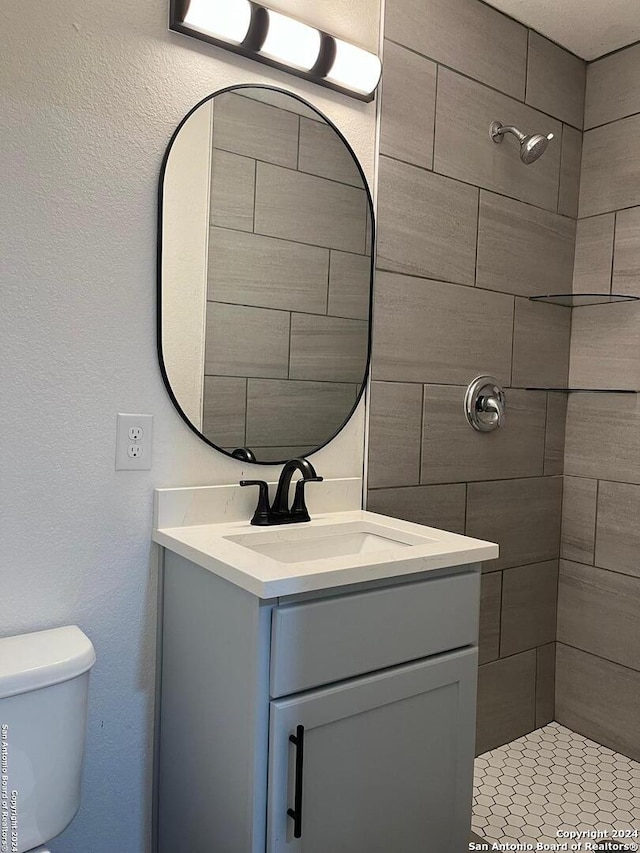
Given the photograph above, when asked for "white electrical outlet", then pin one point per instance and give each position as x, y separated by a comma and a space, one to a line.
133, 442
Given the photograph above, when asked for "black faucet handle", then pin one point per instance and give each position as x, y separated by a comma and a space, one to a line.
299, 509
262, 514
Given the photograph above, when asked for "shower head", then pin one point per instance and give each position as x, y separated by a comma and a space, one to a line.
532, 146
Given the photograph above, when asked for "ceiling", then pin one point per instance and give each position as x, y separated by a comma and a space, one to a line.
588, 28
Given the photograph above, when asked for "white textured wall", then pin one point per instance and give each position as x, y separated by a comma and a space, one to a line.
90, 95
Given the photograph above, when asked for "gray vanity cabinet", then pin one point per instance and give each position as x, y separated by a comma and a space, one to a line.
386, 761
377, 680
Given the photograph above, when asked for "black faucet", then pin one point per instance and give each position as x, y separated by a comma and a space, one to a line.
279, 512
245, 454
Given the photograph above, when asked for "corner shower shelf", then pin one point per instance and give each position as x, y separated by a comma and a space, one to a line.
576, 300
587, 390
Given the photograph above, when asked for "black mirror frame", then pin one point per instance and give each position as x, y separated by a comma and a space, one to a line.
365, 184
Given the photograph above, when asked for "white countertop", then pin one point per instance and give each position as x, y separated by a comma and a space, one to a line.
208, 546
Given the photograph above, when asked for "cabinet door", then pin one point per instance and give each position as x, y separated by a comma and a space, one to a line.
387, 762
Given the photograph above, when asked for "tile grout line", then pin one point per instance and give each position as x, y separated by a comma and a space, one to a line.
466, 510
255, 195
552, 210
477, 82
526, 64
290, 342
471, 482
435, 120
295, 170
546, 433
421, 444
500, 619
611, 121
339, 383
598, 657
602, 569
613, 250
595, 526
288, 310
513, 351
607, 212
292, 242
246, 412
475, 266
380, 267
560, 173
329, 280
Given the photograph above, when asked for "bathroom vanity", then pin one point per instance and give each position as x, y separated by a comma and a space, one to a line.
318, 680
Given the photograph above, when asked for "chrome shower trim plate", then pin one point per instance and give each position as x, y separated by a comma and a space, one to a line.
484, 404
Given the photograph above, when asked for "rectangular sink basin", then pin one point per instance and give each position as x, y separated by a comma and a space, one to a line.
302, 545
334, 549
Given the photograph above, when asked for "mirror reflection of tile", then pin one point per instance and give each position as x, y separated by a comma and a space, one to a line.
288, 279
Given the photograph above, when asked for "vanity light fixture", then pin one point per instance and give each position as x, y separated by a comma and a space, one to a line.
354, 68
275, 39
219, 19
290, 42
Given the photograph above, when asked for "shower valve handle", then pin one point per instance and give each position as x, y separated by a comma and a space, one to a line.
484, 404
493, 405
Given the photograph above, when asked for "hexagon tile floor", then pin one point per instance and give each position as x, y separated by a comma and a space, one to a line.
549, 780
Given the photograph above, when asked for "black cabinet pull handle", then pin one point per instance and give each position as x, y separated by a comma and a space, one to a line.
296, 812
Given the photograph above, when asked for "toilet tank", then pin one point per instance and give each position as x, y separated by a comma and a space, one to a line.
44, 681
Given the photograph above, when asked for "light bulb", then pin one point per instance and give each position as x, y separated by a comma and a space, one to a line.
354, 68
227, 20
291, 42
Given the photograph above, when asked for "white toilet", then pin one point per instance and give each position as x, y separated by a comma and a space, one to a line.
44, 682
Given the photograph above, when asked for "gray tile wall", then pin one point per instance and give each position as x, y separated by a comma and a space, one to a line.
288, 281
598, 658
598, 698
466, 232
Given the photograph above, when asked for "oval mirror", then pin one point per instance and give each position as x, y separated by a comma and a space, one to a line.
265, 272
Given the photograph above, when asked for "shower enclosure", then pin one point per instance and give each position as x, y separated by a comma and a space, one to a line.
580, 772
492, 260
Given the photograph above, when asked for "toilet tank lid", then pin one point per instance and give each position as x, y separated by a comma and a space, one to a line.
43, 658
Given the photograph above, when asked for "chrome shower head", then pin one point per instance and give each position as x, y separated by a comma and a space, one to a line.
532, 146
